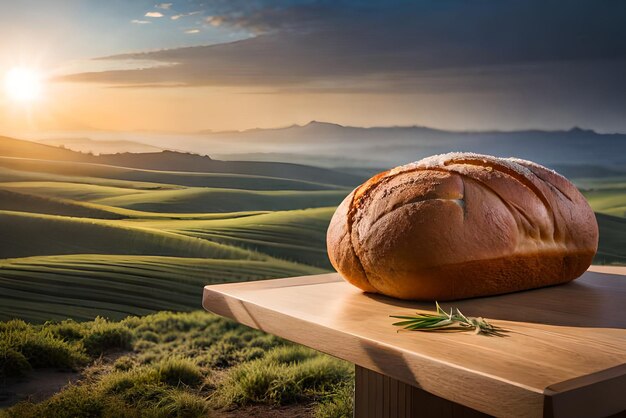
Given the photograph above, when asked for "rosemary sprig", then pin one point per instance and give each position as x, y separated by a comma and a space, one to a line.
443, 321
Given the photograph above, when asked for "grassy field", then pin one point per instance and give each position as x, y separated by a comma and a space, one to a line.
26, 234
79, 247
87, 240
608, 201
171, 365
103, 174
605, 195
63, 228
296, 235
83, 286
197, 199
82, 240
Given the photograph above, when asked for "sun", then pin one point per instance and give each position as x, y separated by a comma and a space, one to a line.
22, 84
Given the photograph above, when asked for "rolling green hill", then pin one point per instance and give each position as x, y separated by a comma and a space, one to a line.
196, 200
177, 161
13, 201
82, 286
27, 234
297, 235
81, 192
43, 168
24, 202
81, 239
605, 195
608, 201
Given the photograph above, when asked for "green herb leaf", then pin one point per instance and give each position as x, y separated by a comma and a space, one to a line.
443, 321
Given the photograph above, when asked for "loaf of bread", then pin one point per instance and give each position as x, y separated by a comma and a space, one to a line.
462, 225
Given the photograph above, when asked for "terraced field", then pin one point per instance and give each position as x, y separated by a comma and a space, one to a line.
203, 199
83, 239
609, 201
606, 195
83, 286
102, 174
297, 235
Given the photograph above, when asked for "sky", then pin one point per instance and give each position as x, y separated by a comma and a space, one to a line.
187, 65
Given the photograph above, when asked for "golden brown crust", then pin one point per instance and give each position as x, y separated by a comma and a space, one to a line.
462, 225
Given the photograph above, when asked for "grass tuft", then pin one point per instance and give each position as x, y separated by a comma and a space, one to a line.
177, 371
172, 377
42, 349
105, 336
124, 363
290, 354
68, 330
285, 375
12, 362
181, 404
139, 387
339, 405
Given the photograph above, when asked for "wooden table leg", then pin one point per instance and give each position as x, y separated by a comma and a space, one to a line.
380, 396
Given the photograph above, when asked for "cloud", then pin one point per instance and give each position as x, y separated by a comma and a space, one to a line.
214, 20
191, 31
140, 22
154, 14
178, 16
164, 6
529, 47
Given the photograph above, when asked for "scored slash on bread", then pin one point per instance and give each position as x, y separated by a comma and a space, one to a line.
462, 225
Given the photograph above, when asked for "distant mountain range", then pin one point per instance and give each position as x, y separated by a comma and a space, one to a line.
576, 152
335, 145
88, 145
177, 161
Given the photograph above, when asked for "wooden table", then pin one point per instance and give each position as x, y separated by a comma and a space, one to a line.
564, 354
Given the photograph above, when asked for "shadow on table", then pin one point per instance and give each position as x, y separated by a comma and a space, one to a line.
595, 300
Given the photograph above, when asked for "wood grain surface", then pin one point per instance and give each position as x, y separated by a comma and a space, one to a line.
380, 396
564, 354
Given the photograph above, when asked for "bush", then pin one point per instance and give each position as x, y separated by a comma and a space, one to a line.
180, 370
12, 362
104, 336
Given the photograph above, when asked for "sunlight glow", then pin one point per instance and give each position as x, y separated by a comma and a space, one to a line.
22, 84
